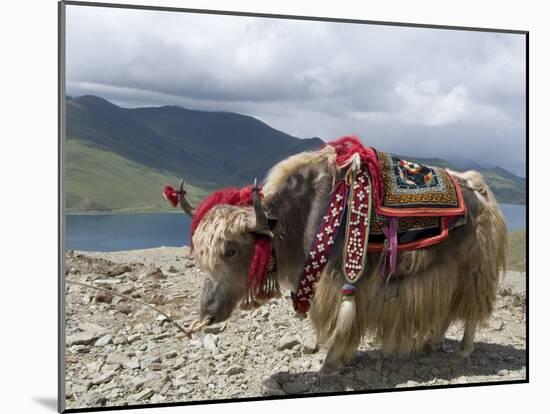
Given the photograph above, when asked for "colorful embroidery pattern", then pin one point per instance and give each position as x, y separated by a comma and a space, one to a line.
412, 189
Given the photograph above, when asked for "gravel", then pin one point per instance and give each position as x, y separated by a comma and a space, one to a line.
287, 342
209, 342
104, 340
120, 353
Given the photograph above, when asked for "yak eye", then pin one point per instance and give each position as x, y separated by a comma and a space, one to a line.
230, 252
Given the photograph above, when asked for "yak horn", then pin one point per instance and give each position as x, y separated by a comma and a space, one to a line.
185, 206
261, 217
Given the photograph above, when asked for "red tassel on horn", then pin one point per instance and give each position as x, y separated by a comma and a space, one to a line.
171, 195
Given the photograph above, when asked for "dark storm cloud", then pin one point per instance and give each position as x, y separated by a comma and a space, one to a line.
408, 90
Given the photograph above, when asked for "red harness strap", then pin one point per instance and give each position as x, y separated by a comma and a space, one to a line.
352, 196
321, 247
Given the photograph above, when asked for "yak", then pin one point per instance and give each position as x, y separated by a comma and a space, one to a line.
455, 280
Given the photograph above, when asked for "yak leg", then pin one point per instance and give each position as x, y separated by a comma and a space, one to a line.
437, 343
333, 361
467, 344
339, 353
462, 355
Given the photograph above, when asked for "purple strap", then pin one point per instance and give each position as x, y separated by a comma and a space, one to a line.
390, 250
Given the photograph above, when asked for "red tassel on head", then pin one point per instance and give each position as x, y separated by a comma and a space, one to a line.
231, 196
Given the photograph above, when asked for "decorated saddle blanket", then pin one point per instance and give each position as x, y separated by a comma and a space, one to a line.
416, 190
414, 207
427, 202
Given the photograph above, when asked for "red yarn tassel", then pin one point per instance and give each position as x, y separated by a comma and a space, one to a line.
345, 147
231, 196
171, 195
257, 271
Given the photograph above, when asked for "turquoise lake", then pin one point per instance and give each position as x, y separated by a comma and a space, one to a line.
112, 232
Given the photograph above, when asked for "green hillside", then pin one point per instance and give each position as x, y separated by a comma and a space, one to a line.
517, 253
233, 147
209, 149
507, 187
98, 180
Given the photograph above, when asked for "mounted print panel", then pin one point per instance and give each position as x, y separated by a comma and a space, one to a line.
263, 206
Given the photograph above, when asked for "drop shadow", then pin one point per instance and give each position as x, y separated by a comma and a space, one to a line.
47, 402
370, 371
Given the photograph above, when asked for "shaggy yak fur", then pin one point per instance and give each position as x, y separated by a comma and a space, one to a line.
455, 280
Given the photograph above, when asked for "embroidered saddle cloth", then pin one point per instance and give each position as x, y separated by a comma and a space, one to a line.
416, 190
417, 206
426, 201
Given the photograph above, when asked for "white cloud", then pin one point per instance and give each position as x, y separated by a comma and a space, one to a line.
426, 104
312, 78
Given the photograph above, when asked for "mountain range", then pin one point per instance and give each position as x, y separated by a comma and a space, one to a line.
119, 158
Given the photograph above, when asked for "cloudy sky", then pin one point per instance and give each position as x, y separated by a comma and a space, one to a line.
422, 92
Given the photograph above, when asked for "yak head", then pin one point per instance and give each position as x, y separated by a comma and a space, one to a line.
227, 229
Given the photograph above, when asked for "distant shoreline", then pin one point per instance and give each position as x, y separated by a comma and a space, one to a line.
115, 212
178, 211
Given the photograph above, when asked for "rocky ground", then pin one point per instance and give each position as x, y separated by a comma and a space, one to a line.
121, 353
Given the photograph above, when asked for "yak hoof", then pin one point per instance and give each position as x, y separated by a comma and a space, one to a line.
330, 368
461, 357
438, 347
